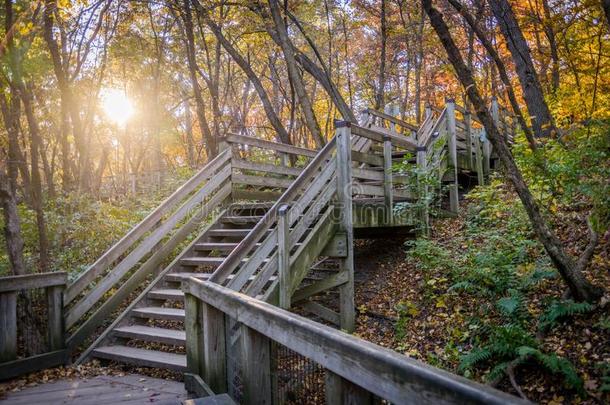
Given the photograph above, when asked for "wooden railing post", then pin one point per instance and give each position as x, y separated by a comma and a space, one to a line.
283, 256
468, 140
452, 144
56, 326
194, 334
478, 150
388, 195
8, 326
256, 367
344, 202
338, 390
205, 342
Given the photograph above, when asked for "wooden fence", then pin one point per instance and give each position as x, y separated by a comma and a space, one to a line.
54, 285
355, 371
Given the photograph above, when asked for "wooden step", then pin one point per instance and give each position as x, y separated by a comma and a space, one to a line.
210, 246
164, 314
142, 357
150, 334
234, 233
179, 277
245, 219
168, 294
202, 261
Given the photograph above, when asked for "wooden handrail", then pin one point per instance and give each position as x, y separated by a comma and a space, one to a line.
378, 136
390, 118
264, 144
31, 281
378, 370
241, 250
127, 241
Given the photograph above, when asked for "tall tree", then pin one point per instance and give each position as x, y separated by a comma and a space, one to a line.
247, 69
540, 115
295, 75
571, 271
491, 50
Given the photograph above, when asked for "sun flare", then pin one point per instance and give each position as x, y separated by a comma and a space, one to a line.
117, 106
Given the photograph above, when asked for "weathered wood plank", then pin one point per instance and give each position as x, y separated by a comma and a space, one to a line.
346, 226
214, 349
8, 326
237, 163
283, 251
261, 181
377, 136
383, 372
19, 367
256, 367
56, 330
319, 286
323, 312
367, 158
31, 281
254, 195
263, 144
365, 174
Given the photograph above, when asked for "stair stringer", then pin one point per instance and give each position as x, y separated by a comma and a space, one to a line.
125, 316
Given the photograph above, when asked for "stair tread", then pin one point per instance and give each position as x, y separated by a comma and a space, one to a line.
241, 218
142, 357
167, 294
197, 261
160, 313
152, 334
204, 276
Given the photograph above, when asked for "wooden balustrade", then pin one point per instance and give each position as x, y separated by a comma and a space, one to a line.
356, 371
54, 285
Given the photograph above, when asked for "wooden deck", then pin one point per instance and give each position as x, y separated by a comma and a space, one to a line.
128, 389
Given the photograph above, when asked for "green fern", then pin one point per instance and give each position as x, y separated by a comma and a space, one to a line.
560, 310
473, 358
556, 365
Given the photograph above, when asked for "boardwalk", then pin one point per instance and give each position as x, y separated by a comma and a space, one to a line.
129, 389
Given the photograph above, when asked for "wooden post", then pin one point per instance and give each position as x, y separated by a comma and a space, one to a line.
56, 330
486, 146
214, 348
468, 140
428, 111
479, 158
452, 144
8, 326
283, 256
341, 391
256, 367
388, 196
344, 202
194, 334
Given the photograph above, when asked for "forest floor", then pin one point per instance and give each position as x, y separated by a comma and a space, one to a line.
411, 309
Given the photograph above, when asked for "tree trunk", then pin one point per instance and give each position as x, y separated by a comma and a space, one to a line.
247, 69
549, 31
542, 121
12, 225
570, 271
489, 47
380, 93
68, 101
295, 75
206, 133
37, 195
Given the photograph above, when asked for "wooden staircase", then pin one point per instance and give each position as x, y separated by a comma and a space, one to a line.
282, 233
